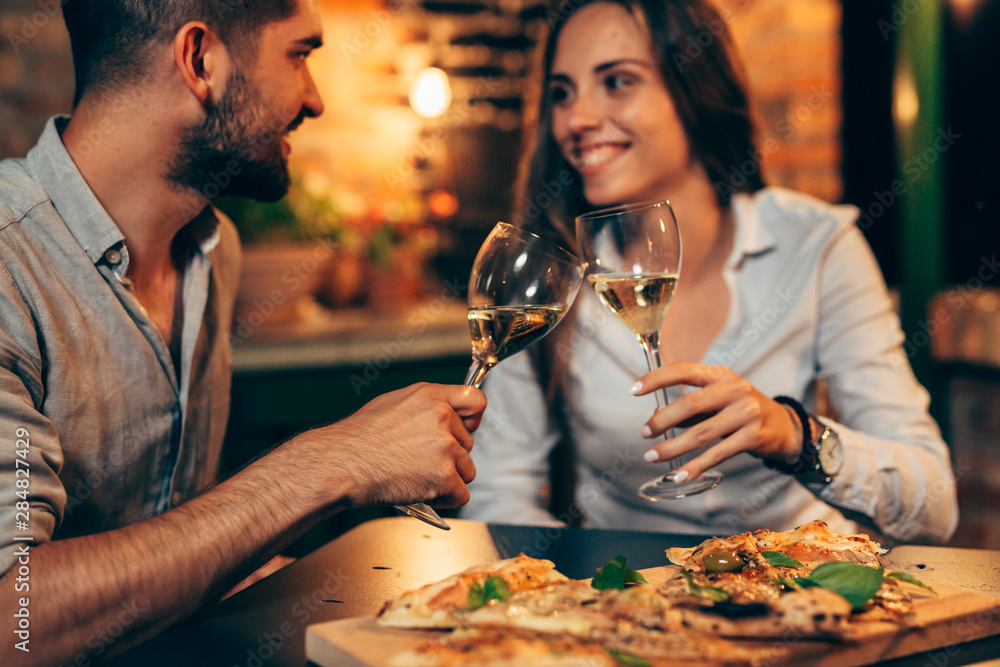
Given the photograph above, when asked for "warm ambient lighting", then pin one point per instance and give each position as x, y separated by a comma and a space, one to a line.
964, 10
906, 102
430, 94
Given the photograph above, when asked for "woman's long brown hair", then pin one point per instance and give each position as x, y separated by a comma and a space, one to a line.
698, 63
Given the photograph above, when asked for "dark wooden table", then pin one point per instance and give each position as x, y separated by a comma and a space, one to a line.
355, 574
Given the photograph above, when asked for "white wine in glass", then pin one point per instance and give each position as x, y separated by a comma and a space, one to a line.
632, 259
520, 287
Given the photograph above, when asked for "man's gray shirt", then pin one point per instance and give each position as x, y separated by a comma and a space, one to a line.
98, 429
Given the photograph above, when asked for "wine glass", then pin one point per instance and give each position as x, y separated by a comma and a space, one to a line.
520, 287
632, 258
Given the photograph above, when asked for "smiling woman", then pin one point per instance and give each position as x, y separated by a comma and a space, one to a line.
626, 107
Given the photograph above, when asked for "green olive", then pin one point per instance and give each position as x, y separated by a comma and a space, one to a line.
723, 561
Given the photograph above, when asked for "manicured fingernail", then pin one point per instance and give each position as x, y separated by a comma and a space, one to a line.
635, 388
681, 476
651, 456
647, 432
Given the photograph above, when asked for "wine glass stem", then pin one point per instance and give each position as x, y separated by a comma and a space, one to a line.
651, 346
477, 373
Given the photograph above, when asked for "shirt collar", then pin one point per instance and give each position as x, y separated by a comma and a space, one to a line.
752, 237
72, 198
77, 205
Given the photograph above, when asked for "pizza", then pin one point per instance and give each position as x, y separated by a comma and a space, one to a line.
492, 648
761, 584
435, 606
809, 581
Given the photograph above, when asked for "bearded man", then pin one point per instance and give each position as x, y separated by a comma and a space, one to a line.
117, 285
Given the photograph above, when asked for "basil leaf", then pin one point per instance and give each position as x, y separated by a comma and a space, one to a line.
791, 584
780, 559
494, 588
705, 592
612, 575
626, 659
855, 583
477, 596
909, 578
796, 583
634, 577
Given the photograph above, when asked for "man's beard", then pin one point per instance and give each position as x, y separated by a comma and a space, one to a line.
236, 151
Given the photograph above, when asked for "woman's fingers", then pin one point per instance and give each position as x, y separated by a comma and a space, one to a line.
721, 425
693, 407
736, 443
670, 375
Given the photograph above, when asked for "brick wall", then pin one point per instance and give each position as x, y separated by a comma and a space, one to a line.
792, 52
36, 74
369, 139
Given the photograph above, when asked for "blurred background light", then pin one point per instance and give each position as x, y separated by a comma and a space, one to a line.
430, 94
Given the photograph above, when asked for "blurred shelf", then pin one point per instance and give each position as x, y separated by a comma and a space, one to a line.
355, 337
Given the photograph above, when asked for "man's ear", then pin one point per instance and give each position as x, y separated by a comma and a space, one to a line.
201, 59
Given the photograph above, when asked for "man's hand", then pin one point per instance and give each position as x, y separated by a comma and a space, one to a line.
411, 445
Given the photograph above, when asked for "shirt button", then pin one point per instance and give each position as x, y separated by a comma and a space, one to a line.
175, 499
113, 256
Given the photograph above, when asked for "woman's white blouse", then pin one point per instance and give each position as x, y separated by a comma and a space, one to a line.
807, 302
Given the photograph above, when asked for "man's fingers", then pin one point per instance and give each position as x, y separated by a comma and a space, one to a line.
472, 423
465, 467
466, 401
456, 425
456, 497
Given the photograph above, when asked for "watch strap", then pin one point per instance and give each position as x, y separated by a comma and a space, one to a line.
807, 457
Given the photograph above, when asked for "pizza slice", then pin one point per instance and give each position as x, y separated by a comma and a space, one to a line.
637, 621
814, 543
434, 606
762, 584
490, 647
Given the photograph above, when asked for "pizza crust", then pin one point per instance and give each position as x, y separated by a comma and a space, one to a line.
815, 613
434, 607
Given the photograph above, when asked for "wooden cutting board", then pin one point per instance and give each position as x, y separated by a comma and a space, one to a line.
954, 617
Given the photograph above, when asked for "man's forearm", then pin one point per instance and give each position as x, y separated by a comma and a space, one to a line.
148, 576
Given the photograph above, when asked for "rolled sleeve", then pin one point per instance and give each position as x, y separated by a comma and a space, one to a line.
37, 465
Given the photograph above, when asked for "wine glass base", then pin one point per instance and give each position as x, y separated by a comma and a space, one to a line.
425, 513
665, 488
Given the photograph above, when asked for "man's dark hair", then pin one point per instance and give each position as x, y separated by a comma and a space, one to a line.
113, 41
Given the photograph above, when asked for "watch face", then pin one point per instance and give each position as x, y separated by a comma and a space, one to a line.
831, 454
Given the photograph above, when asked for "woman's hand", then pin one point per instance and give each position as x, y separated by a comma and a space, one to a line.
724, 406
